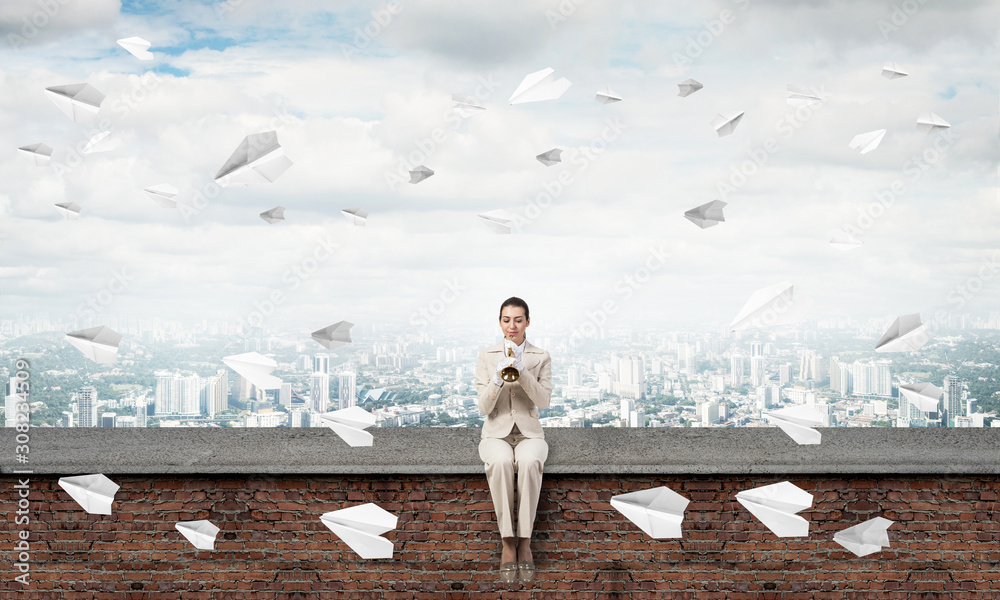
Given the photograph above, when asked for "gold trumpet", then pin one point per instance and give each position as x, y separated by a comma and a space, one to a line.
510, 374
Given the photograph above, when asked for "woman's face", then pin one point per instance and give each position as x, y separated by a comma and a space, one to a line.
512, 322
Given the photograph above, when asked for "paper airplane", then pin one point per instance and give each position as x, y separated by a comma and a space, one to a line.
924, 396
360, 527
929, 122
200, 533
358, 216
137, 47
99, 344
726, 124
606, 96
163, 194
94, 493
906, 334
258, 159
657, 511
499, 221
688, 87
79, 101
775, 506
540, 85
37, 154
769, 307
866, 142
892, 71
102, 142
335, 335
70, 210
845, 241
255, 368
551, 157
350, 423
801, 96
707, 215
865, 538
466, 105
419, 174
797, 421
274, 215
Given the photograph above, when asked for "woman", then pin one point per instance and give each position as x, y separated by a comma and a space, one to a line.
512, 438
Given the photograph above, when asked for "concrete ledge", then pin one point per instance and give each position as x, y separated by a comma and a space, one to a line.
432, 451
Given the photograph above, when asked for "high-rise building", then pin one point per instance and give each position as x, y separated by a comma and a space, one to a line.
757, 370
627, 406
637, 418
10, 403
319, 392
321, 363
348, 393
736, 369
86, 399
710, 413
285, 396
190, 395
872, 378
140, 413
167, 401
784, 373
954, 395
632, 378
67, 419
575, 376
108, 419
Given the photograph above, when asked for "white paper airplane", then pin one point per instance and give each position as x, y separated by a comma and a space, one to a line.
79, 101
726, 124
906, 334
466, 105
606, 96
350, 424
844, 241
929, 122
657, 511
688, 87
360, 527
865, 538
137, 47
274, 215
550, 157
769, 307
797, 421
163, 194
101, 142
258, 159
200, 533
37, 154
335, 335
419, 174
540, 85
94, 493
358, 216
924, 395
707, 215
775, 506
892, 71
255, 368
99, 344
499, 221
866, 142
801, 96
70, 210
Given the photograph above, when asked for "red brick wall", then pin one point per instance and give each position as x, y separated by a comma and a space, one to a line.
273, 545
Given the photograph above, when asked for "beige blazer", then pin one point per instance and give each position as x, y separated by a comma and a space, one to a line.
516, 402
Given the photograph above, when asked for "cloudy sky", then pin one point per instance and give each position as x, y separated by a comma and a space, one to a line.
361, 94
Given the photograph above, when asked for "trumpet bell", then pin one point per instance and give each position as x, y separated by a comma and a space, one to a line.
510, 374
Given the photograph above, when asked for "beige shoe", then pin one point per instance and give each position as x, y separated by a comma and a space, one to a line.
508, 572
526, 573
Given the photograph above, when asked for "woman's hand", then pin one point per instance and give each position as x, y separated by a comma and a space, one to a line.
503, 364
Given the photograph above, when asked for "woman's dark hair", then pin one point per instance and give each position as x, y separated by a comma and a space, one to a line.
515, 301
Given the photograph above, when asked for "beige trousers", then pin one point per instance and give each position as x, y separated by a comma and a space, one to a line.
504, 456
